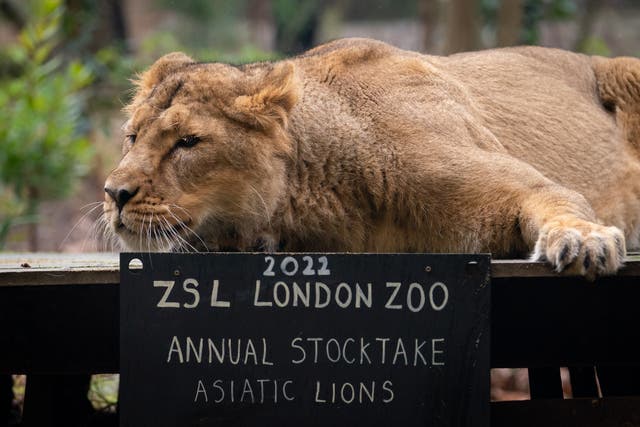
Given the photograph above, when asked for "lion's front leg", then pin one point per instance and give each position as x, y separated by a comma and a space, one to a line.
556, 224
565, 230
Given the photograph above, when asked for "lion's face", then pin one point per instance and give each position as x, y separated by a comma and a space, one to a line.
204, 156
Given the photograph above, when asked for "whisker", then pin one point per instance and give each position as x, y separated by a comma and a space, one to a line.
267, 216
144, 218
173, 205
95, 205
149, 233
99, 224
172, 245
184, 226
183, 243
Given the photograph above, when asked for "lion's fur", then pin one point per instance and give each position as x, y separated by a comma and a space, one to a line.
359, 146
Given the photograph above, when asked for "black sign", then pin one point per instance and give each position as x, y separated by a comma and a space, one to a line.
304, 340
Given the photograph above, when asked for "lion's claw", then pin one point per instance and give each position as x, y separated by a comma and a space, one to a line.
581, 247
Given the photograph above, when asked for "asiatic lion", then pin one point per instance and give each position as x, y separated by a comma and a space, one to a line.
359, 146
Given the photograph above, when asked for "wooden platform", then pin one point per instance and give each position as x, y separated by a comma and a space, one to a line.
59, 317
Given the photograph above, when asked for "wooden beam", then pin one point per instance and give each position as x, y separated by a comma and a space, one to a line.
607, 412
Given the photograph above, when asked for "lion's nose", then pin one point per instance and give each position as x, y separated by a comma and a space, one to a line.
120, 195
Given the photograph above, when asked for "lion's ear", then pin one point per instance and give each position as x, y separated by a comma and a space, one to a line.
271, 100
163, 67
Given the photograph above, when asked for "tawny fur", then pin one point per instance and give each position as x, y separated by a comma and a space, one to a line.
359, 146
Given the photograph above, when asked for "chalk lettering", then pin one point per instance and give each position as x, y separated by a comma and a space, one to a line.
344, 351
270, 263
200, 390
400, 351
383, 342
175, 347
256, 297
361, 297
191, 348
363, 351
285, 393
337, 353
445, 296
324, 266
345, 301
418, 353
289, 266
277, 297
216, 384
247, 390
193, 291
347, 392
164, 301
327, 293
250, 352
410, 299
435, 352
221, 350
299, 296
386, 386
295, 345
312, 295
396, 288
308, 270
214, 297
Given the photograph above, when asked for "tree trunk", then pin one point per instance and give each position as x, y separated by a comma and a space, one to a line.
509, 22
261, 26
32, 217
103, 21
429, 14
590, 12
13, 13
463, 26
296, 25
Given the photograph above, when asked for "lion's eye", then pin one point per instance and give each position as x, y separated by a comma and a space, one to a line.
188, 141
131, 138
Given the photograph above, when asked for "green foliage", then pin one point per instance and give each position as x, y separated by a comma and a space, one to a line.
205, 10
595, 46
160, 43
536, 11
207, 24
43, 135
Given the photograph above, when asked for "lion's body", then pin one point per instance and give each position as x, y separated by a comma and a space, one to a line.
359, 146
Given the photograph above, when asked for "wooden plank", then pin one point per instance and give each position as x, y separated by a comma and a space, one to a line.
53, 261
58, 269
536, 321
59, 329
6, 399
607, 412
50, 268
564, 321
524, 268
583, 381
619, 380
57, 400
545, 383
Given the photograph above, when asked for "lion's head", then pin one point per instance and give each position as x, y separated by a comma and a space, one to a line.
204, 155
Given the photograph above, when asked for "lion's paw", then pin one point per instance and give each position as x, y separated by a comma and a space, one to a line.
581, 247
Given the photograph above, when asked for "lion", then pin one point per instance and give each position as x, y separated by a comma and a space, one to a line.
359, 146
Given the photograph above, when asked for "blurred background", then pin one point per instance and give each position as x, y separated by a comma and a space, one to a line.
65, 67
